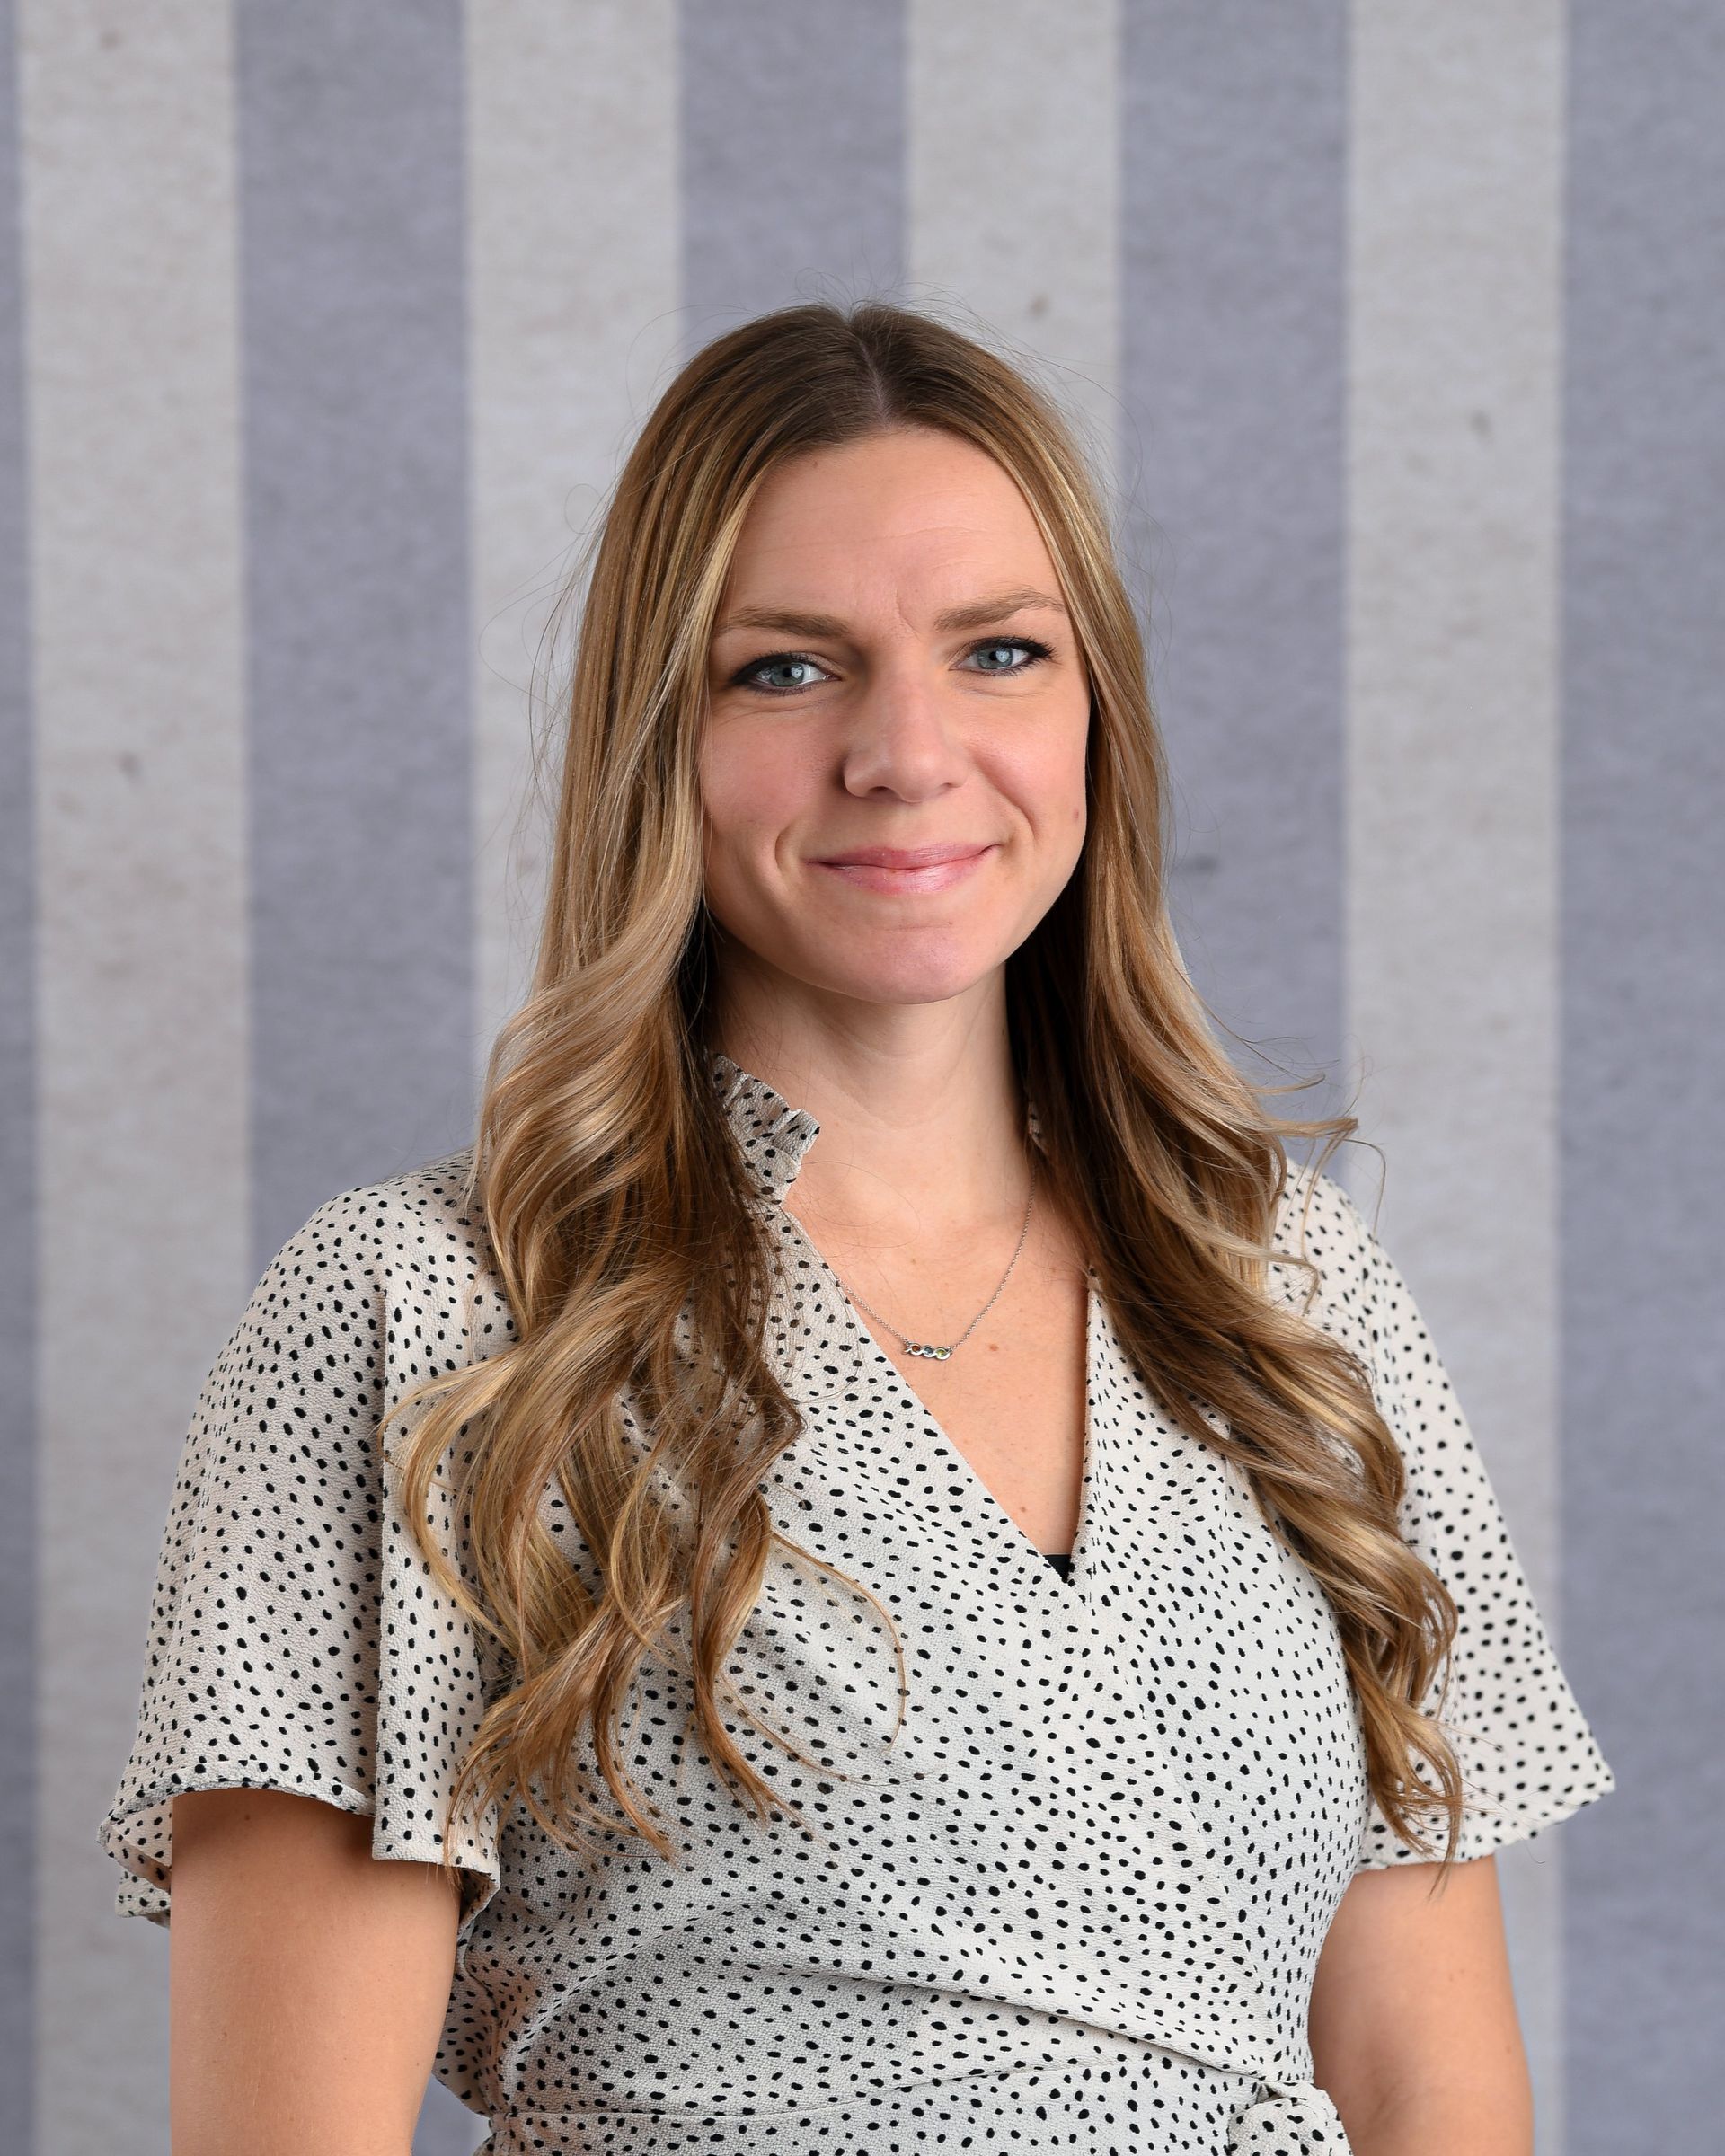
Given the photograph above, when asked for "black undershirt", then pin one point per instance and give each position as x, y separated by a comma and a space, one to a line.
1061, 1560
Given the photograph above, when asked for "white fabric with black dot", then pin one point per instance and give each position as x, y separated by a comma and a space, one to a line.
1075, 1904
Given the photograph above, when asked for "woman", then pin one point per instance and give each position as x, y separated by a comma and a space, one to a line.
673, 1494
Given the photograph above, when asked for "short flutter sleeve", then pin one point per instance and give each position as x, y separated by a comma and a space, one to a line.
296, 1639
1527, 1756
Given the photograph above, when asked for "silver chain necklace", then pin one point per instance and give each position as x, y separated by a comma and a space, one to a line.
926, 1348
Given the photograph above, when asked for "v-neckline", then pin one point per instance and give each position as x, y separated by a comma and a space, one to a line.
1075, 1586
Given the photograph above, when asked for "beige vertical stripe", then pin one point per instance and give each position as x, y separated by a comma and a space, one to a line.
131, 364
573, 293
1014, 193
1454, 357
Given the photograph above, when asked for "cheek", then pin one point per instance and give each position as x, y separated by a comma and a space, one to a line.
1049, 783
726, 795
749, 794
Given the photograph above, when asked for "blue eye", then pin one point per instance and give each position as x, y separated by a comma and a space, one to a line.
745, 677
1037, 652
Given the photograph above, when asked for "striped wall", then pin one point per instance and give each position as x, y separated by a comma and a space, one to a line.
1396, 333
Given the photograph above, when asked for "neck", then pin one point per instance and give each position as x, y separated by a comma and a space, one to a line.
918, 1139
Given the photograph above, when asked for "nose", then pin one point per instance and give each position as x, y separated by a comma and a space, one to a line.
904, 737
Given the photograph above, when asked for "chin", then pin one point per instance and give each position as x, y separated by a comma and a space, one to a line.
885, 983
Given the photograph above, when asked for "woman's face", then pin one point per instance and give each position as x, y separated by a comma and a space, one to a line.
892, 669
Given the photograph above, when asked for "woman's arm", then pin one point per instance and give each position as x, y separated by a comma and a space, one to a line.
308, 1980
1413, 2024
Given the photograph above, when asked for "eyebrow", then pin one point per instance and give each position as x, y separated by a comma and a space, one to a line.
976, 613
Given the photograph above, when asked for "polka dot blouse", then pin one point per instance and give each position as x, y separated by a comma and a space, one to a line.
1075, 1903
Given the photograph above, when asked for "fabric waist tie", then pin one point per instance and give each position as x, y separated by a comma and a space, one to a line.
1294, 2119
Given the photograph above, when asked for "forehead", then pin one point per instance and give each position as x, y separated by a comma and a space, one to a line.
916, 509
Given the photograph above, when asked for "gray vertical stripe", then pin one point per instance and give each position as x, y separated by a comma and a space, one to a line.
1013, 194
18, 1424
1455, 357
1233, 134
793, 155
1644, 1163
571, 129
142, 1170
355, 433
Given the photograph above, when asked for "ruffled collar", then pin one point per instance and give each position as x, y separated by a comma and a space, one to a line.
773, 1134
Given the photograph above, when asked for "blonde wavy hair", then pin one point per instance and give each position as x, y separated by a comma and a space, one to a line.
620, 1209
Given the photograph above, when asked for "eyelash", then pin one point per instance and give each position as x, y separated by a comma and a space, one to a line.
1039, 652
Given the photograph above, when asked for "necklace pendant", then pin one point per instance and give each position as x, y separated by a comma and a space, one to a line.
933, 1355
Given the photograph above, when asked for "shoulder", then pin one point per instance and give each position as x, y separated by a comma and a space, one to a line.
419, 1217
401, 1263
386, 1212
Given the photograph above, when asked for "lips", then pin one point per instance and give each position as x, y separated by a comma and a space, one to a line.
906, 871
902, 857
